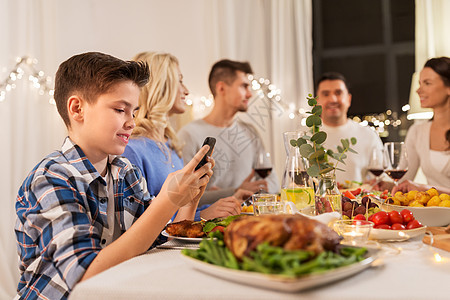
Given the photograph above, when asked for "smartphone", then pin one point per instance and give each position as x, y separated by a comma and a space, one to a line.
211, 142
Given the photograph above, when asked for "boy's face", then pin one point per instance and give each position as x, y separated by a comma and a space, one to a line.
108, 123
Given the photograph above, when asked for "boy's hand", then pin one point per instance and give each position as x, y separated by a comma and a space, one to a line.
185, 186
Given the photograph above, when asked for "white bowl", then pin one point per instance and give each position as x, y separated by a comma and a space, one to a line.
396, 235
429, 216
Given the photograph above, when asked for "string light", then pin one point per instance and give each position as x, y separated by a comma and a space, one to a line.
36, 77
262, 87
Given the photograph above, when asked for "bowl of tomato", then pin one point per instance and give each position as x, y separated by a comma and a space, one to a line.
395, 225
429, 215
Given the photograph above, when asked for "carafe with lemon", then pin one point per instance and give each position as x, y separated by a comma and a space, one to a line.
296, 185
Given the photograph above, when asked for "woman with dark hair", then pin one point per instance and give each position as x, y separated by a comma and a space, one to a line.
428, 143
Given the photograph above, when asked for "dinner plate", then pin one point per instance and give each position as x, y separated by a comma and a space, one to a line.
388, 235
279, 282
181, 238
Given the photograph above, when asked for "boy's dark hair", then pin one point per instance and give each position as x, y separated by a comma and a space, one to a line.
225, 70
92, 74
332, 76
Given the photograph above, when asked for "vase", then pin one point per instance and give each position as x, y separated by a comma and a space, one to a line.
296, 184
327, 195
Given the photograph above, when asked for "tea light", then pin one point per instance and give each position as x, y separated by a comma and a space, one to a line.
353, 232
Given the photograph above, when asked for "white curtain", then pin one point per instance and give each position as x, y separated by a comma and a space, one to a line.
274, 36
432, 30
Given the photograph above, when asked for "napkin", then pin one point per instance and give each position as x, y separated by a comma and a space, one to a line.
325, 218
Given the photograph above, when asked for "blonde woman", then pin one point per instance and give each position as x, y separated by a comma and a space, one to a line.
154, 146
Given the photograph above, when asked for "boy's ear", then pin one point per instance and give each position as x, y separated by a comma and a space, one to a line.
75, 108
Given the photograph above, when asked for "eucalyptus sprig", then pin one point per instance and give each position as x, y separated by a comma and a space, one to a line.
311, 147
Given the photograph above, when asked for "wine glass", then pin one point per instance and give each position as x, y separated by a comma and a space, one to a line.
263, 164
377, 163
397, 160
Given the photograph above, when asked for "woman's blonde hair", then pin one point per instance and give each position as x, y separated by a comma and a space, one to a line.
157, 98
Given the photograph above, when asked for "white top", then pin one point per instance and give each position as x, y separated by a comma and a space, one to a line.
355, 164
435, 164
234, 153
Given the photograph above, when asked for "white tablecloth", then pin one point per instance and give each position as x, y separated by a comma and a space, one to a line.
410, 271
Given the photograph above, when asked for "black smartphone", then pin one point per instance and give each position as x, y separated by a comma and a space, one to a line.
211, 142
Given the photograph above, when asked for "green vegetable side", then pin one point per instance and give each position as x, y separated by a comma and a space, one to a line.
211, 224
274, 260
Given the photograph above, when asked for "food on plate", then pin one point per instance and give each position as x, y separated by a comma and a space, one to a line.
351, 208
247, 208
420, 199
291, 232
198, 229
347, 184
186, 228
395, 220
278, 260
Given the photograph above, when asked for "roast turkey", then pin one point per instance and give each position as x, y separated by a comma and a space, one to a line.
291, 232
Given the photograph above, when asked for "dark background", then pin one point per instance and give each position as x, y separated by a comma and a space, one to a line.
372, 44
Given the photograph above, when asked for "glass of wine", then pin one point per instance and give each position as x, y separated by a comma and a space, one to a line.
378, 162
397, 160
263, 164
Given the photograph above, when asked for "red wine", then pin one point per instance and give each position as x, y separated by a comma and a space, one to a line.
264, 172
376, 172
395, 174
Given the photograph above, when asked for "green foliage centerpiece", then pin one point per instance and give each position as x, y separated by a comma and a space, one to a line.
322, 162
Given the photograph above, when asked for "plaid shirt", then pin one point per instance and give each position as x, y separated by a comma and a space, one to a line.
61, 212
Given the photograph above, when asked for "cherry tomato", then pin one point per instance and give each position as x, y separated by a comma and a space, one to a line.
220, 228
356, 192
395, 217
413, 224
360, 217
349, 195
370, 218
407, 215
398, 226
382, 226
381, 217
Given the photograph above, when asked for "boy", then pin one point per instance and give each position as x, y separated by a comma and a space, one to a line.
78, 209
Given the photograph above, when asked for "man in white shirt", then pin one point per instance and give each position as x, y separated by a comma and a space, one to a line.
237, 141
335, 98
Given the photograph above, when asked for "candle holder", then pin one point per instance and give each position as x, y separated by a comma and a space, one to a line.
354, 232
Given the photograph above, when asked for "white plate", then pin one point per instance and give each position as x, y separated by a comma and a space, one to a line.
181, 238
395, 235
282, 283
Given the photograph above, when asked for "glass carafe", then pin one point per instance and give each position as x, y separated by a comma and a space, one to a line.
296, 185
328, 197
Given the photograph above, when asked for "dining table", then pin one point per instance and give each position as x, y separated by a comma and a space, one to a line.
403, 270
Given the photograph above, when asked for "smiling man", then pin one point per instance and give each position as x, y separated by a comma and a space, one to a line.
237, 142
335, 98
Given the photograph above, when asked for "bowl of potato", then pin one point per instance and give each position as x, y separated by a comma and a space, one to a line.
430, 207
